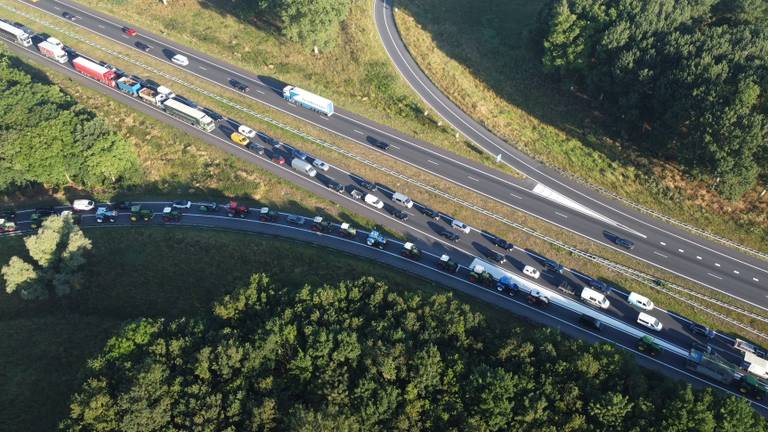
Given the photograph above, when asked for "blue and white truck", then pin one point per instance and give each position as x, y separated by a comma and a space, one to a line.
308, 100
129, 86
20, 35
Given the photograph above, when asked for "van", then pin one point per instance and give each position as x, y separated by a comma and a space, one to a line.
594, 298
639, 301
461, 226
646, 320
83, 205
373, 200
303, 167
402, 199
180, 60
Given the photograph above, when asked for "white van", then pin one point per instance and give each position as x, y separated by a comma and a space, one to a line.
402, 199
374, 201
461, 226
594, 298
180, 60
639, 301
531, 271
83, 205
648, 321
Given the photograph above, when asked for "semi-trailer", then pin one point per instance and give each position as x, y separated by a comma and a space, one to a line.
189, 115
21, 36
95, 71
308, 100
52, 51
129, 86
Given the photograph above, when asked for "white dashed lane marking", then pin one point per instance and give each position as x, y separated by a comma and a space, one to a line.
432, 162
560, 214
736, 271
717, 265
357, 131
660, 254
516, 196
472, 178
698, 257
662, 243
681, 251
716, 277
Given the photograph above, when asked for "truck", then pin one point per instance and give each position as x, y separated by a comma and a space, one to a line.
346, 230
321, 225
308, 100
128, 85
410, 251
712, 366
52, 51
151, 96
303, 167
375, 239
447, 264
21, 36
188, 114
94, 70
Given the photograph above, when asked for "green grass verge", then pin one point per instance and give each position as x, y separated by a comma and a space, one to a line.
150, 272
479, 53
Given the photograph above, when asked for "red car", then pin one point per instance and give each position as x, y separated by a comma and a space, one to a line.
129, 31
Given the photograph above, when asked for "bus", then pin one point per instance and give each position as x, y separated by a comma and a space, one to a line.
20, 35
189, 115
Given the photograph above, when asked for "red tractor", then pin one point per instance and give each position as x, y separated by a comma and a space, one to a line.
240, 211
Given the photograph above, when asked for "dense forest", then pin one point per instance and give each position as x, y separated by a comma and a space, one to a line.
360, 356
49, 139
684, 78
314, 23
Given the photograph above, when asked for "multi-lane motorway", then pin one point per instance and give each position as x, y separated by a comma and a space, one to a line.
586, 213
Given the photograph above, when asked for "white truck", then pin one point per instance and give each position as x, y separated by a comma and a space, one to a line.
52, 51
20, 35
308, 100
303, 167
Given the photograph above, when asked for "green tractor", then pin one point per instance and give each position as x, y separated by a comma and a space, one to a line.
411, 251
320, 225
448, 265
479, 276
648, 345
753, 387
171, 215
141, 214
39, 215
346, 230
7, 226
267, 215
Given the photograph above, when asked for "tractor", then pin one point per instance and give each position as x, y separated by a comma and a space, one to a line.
105, 214
448, 265
320, 225
240, 211
375, 239
140, 214
346, 230
267, 215
7, 226
648, 345
171, 215
410, 251
479, 276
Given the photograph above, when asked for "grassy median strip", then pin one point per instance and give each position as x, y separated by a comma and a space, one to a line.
509, 95
462, 213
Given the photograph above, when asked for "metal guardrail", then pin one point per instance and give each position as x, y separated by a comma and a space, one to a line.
634, 274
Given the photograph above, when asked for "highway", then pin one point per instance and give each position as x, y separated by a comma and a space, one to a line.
585, 213
427, 267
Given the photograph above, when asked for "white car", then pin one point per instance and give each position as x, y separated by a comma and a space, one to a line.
532, 272
180, 60
248, 132
183, 204
321, 165
83, 205
374, 201
461, 226
639, 301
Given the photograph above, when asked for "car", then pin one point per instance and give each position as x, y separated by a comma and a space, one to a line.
701, 330
298, 154
296, 219
70, 16
142, 46
428, 212
278, 158
374, 201
500, 242
212, 114
130, 31
590, 321
321, 165
365, 184
334, 186
180, 60
626, 244
553, 266
182, 204
495, 256
255, 148
701, 347
239, 138
83, 205
450, 235
248, 132
355, 193
378, 143
530, 271
461, 226
239, 86
403, 216
600, 285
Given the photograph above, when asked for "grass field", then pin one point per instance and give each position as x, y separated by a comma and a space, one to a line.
480, 54
148, 272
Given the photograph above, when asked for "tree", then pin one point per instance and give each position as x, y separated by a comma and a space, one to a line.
314, 23
563, 45
57, 252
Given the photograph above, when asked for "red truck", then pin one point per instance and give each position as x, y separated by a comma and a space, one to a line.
95, 71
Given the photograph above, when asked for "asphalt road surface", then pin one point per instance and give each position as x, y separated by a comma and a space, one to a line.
427, 267
708, 263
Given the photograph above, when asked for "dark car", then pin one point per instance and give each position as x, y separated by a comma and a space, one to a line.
403, 216
150, 84
602, 286
566, 287
298, 154
428, 212
626, 244
500, 242
495, 256
278, 158
70, 16
367, 185
450, 235
255, 148
142, 46
123, 205
378, 143
553, 266
701, 330
296, 219
335, 186
590, 322
45, 211
213, 114
239, 86
268, 139
702, 347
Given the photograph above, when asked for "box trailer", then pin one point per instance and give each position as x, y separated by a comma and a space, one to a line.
308, 100
95, 71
